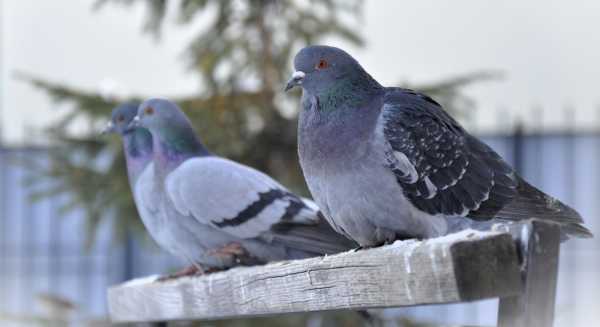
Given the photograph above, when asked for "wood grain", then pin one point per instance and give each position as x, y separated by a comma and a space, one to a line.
466, 266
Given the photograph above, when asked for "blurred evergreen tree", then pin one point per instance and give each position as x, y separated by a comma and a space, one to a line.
243, 57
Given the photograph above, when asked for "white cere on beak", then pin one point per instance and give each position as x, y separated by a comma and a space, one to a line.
298, 75
135, 122
296, 79
108, 128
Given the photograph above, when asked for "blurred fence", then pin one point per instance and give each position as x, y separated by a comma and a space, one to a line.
46, 270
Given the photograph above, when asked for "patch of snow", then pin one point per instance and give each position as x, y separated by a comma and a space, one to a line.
407, 290
464, 235
525, 236
142, 280
407, 254
501, 227
436, 271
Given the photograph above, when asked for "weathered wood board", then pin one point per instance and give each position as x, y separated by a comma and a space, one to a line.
466, 266
539, 244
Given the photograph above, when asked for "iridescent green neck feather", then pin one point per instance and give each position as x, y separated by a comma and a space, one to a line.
349, 92
176, 144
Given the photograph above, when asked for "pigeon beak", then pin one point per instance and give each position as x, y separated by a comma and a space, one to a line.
297, 78
109, 128
135, 122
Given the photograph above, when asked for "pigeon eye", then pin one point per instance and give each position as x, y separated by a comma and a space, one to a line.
322, 64
120, 119
149, 110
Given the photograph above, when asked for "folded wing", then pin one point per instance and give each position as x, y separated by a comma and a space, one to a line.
234, 198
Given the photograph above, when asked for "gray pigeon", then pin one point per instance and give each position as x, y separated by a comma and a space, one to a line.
385, 163
137, 146
137, 142
215, 213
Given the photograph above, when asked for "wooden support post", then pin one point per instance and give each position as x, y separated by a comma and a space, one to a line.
539, 245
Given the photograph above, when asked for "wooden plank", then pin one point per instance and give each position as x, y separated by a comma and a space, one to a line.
461, 267
539, 245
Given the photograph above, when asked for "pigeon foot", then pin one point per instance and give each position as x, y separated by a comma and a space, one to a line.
237, 252
193, 270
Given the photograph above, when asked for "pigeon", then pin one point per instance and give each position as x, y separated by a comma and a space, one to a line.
137, 142
386, 163
215, 213
137, 146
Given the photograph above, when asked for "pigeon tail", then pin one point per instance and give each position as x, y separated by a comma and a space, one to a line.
317, 239
533, 203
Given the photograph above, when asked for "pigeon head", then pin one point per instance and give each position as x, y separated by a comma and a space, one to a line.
320, 68
120, 119
137, 142
171, 130
156, 114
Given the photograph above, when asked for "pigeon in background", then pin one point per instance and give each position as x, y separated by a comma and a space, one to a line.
137, 142
216, 213
137, 145
385, 163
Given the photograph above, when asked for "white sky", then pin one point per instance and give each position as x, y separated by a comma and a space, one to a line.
548, 50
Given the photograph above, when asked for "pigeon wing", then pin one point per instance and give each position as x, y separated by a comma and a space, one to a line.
234, 198
441, 168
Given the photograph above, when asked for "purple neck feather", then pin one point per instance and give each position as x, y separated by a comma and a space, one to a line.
172, 150
138, 154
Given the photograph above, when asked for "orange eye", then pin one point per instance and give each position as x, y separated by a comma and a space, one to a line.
149, 110
322, 64
120, 119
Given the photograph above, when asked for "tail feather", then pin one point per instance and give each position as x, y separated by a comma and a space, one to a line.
319, 238
577, 230
533, 203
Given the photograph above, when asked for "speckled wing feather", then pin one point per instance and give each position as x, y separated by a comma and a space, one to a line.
441, 168
444, 170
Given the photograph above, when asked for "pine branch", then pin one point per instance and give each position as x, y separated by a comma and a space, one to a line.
88, 103
450, 94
